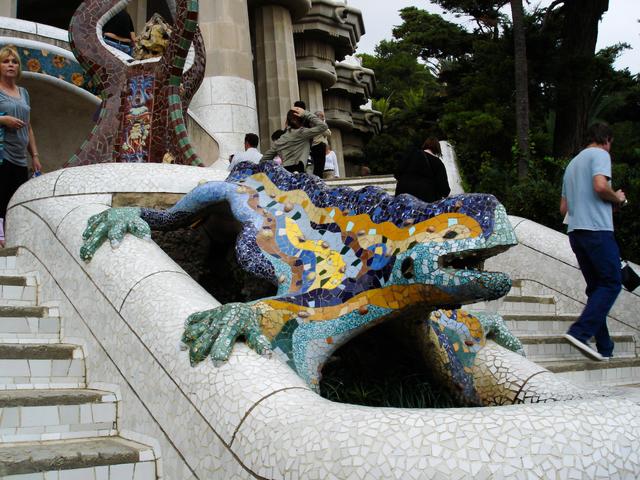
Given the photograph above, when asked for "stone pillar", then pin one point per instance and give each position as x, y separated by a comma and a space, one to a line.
8, 8
276, 78
225, 104
137, 9
336, 146
343, 100
325, 35
311, 93
316, 71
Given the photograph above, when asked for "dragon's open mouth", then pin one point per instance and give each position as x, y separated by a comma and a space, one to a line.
470, 259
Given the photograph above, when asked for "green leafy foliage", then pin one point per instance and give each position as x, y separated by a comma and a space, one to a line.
437, 78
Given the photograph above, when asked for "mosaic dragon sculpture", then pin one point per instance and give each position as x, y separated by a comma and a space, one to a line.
343, 261
143, 111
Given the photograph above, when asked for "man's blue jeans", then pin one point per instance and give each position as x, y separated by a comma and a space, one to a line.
599, 259
123, 47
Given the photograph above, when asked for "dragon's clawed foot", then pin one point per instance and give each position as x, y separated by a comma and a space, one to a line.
113, 224
213, 332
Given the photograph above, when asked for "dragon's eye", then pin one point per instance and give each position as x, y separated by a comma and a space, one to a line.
407, 267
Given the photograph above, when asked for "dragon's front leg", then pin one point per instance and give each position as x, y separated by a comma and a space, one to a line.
113, 224
213, 332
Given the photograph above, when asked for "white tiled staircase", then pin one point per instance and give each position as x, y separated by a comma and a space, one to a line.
52, 427
531, 313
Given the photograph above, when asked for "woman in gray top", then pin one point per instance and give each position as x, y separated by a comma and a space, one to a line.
18, 134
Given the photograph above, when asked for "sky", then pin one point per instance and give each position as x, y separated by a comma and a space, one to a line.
619, 24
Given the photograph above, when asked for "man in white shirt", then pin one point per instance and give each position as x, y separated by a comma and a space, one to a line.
330, 164
250, 154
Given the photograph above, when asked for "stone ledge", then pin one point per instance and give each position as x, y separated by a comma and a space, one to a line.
31, 457
582, 365
33, 398
559, 339
37, 352
15, 281
297, 8
12, 311
8, 252
541, 317
529, 299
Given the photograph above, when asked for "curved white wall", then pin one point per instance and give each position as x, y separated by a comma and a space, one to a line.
253, 417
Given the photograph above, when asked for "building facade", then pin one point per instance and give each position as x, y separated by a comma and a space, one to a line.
262, 55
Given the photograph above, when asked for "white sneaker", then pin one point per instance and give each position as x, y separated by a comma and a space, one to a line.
586, 349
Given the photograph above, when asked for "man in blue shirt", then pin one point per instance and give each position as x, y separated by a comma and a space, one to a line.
587, 201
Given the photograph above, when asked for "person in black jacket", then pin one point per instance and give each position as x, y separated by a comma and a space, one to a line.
422, 174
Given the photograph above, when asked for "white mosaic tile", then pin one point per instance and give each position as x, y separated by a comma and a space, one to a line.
293, 430
131, 177
160, 324
54, 210
108, 327
40, 187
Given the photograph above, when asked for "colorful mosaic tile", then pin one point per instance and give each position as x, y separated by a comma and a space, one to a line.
343, 260
142, 117
55, 64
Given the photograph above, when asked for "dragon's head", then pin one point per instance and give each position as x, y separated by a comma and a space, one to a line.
448, 250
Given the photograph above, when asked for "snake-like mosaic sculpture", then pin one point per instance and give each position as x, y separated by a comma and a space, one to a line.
142, 116
343, 261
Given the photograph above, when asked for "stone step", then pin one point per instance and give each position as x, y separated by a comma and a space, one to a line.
516, 288
28, 366
111, 458
32, 415
555, 347
385, 182
34, 324
528, 304
517, 304
8, 260
529, 323
617, 371
18, 290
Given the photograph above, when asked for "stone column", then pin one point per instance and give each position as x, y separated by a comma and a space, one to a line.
316, 71
137, 9
327, 34
311, 93
276, 78
343, 100
8, 8
336, 146
225, 104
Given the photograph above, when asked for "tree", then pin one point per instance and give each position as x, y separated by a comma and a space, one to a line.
575, 75
522, 90
486, 13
